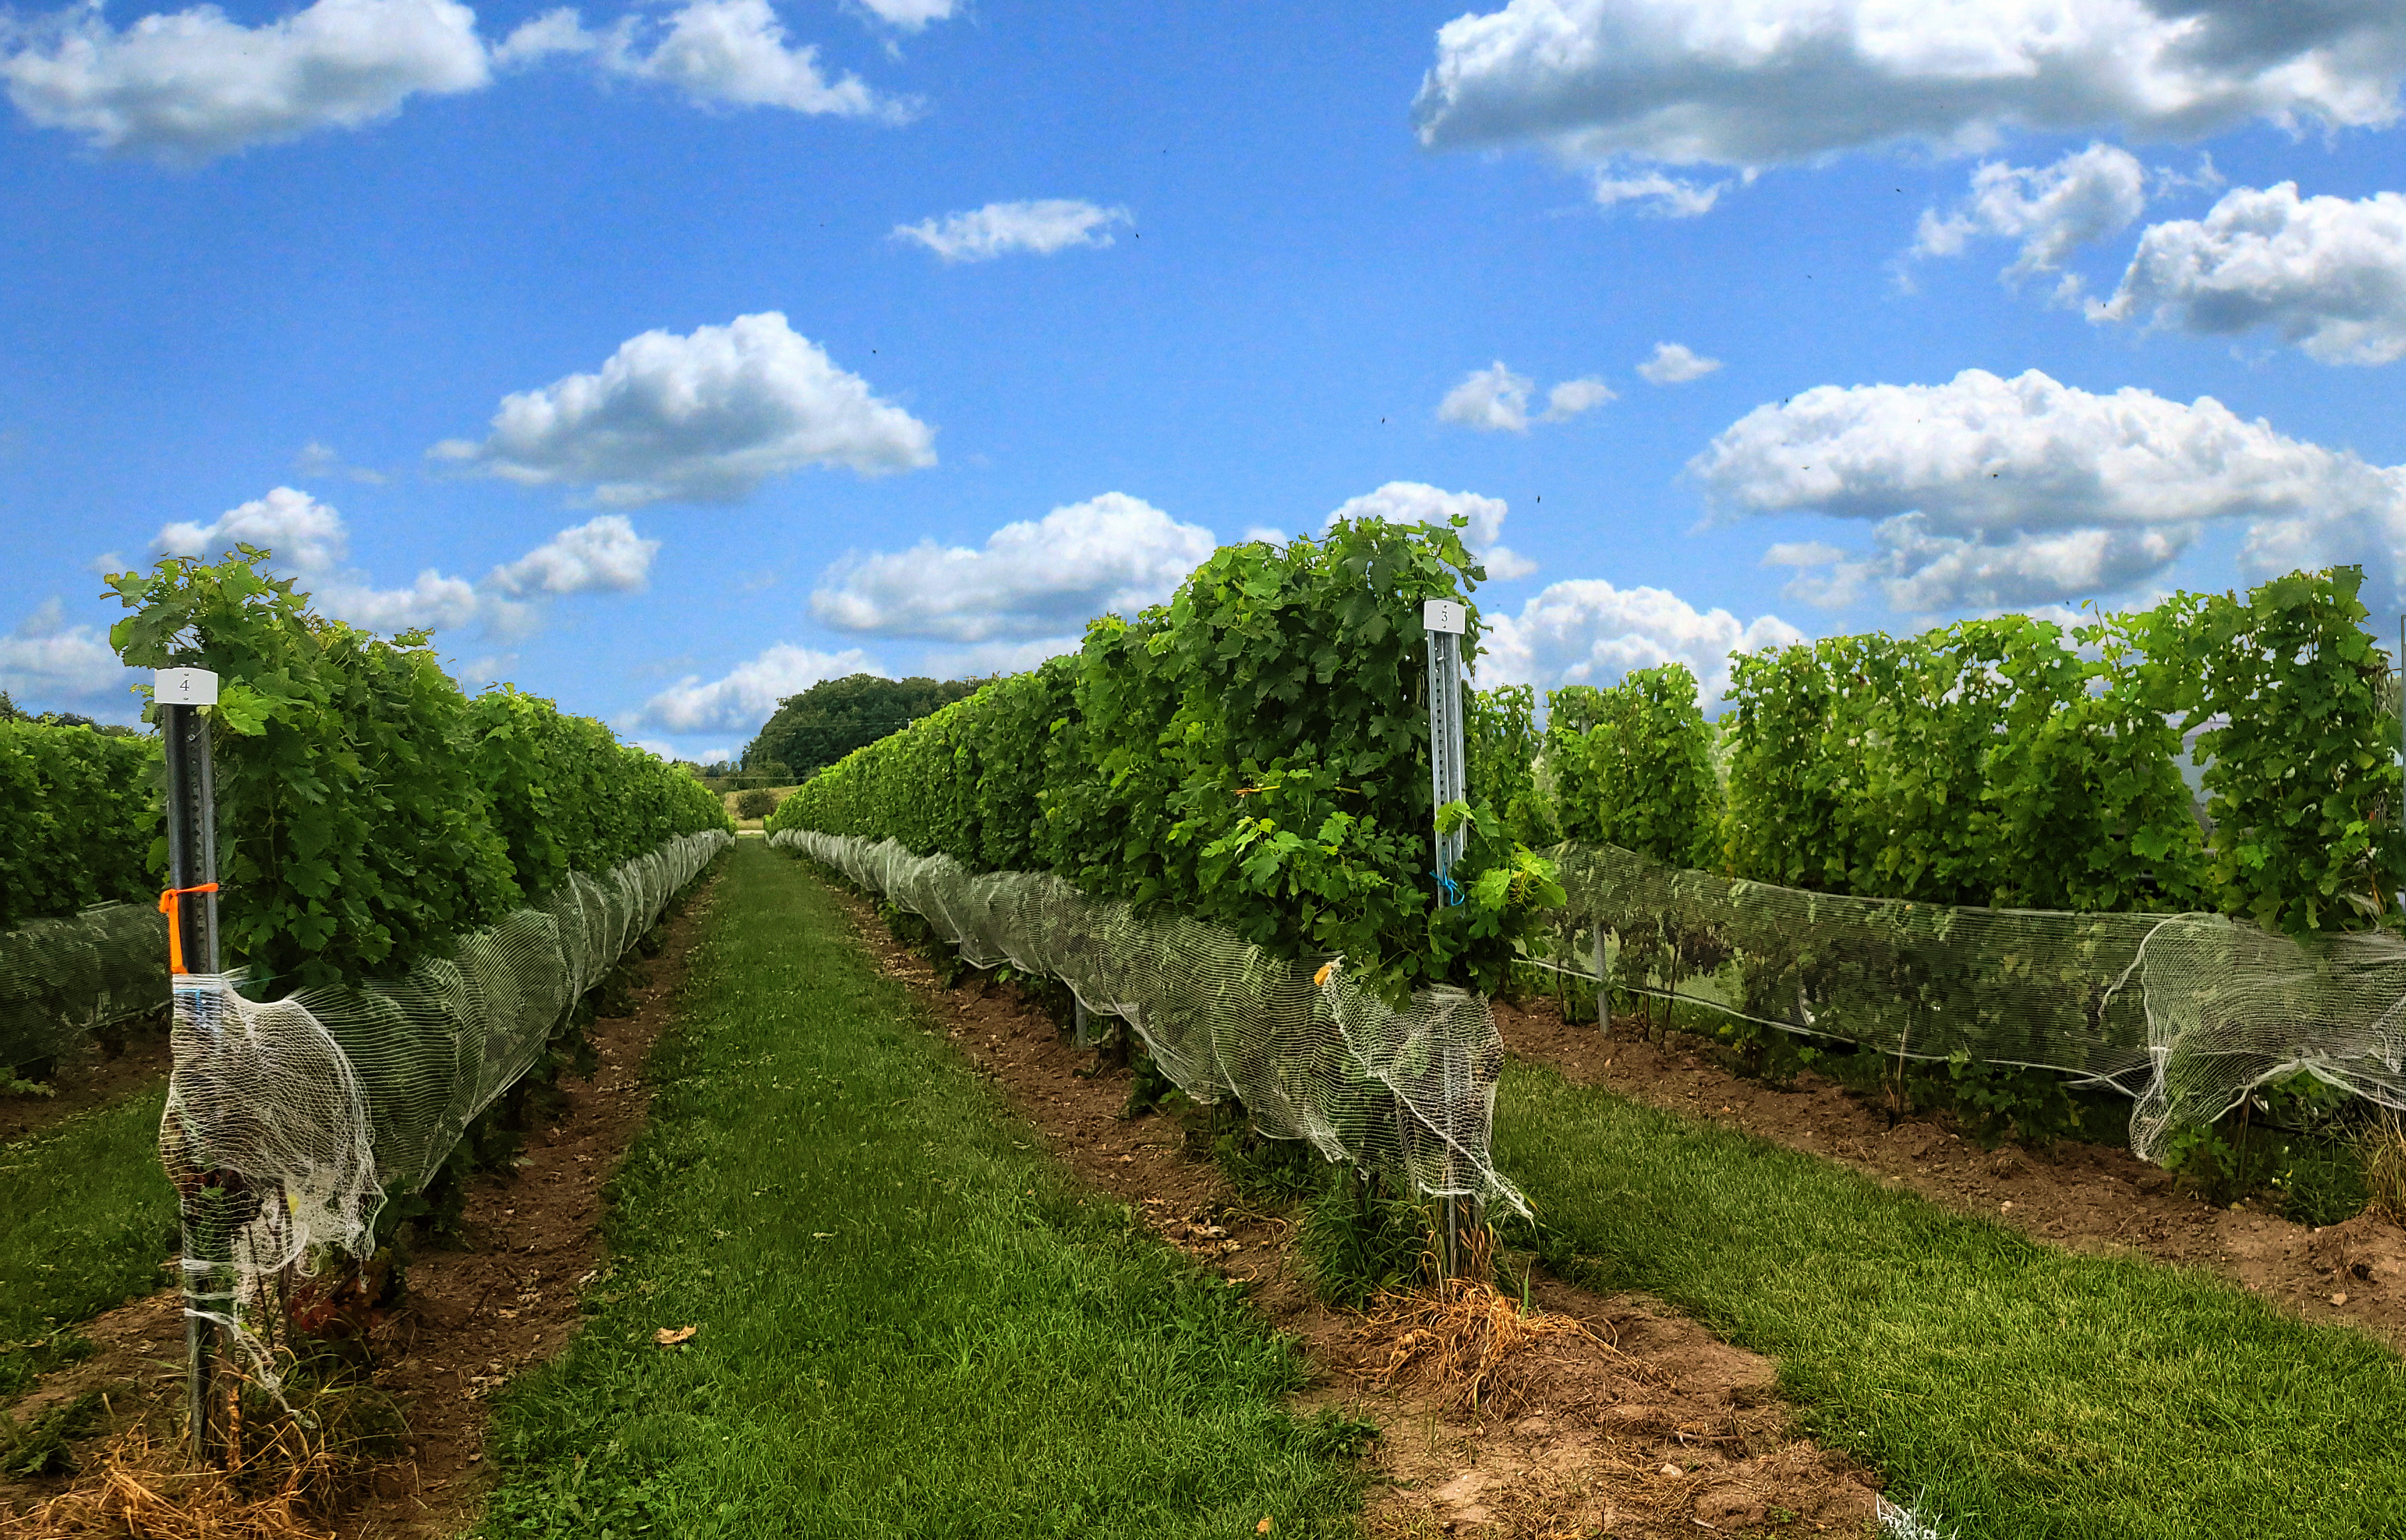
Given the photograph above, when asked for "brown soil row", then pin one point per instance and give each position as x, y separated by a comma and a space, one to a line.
471, 1317
1642, 1424
2086, 1197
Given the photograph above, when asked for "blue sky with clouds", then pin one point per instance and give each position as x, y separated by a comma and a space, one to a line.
668, 358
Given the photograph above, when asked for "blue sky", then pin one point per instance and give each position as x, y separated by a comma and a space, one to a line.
604, 341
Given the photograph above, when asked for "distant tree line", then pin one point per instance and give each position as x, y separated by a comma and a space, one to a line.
814, 729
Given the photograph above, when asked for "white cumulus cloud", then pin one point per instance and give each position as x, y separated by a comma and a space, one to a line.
1495, 400
319, 458
555, 32
984, 659
1918, 571
2052, 209
1757, 83
311, 540
435, 601
305, 535
45, 661
1032, 579
187, 85
735, 54
1418, 502
1675, 363
1665, 197
740, 700
1041, 225
602, 554
1586, 632
910, 15
699, 418
1987, 493
1800, 553
1572, 397
2327, 274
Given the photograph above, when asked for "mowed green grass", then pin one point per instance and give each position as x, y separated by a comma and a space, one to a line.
86, 1218
2030, 1392
910, 1323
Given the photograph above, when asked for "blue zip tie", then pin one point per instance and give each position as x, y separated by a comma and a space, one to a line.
1450, 894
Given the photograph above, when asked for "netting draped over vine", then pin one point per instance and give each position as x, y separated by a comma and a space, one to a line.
434, 1048
62, 981
2230, 1007
2185, 1013
261, 1092
327, 1101
1409, 1096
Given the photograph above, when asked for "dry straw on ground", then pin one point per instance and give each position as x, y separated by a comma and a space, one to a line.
289, 1474
1468, 1344
149, 1491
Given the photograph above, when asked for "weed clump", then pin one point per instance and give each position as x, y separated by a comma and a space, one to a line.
1358, 1241
2381, 1151
1266, 1170
1149, 1087
40, 1447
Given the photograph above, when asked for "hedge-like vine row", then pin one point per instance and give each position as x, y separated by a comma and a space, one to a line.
2019, 763
368, 811
1255, 752
77, 812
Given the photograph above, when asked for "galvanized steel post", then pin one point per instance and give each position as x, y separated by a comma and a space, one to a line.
1445, 622
192, 910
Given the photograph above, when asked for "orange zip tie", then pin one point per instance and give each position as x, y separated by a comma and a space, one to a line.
175, 930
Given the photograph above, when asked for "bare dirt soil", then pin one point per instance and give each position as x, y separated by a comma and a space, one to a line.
470, 1318
2086, 1197
1634, 1421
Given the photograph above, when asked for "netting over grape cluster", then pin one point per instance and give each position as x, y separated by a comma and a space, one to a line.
1408, 1095
62, 981
2185, 1013
322, 1103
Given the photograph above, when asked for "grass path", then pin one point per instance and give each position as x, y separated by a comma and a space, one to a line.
909, 1322
2030, 1392
86, 1217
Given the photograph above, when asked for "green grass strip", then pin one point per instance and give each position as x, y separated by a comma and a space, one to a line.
911, 1322
86, 1217
2028, 1391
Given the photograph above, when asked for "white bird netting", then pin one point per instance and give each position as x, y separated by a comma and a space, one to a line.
2230, 1007
64, 980
2185, 1013
307, 1111
1409, 1095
